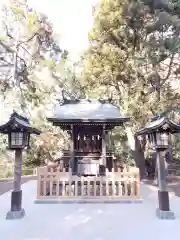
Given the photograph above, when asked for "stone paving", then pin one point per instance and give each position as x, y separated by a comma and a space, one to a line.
89, 221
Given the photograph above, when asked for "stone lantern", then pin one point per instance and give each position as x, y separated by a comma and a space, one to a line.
158, 131
18, 130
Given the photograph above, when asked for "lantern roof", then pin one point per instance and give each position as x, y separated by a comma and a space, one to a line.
161, 124
86, 111
19, 123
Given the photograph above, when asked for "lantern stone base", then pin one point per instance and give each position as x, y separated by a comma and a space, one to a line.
15, 214
16, 211
165, 214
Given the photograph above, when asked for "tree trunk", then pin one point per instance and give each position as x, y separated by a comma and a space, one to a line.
137, 152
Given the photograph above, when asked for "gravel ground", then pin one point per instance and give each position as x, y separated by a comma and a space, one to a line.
173, 184
89, 221
7, 185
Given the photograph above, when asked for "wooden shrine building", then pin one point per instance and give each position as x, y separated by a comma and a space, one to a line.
89, 123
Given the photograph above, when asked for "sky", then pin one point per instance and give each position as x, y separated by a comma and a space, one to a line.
72, 19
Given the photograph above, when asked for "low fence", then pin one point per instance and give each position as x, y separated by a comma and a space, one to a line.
62, 185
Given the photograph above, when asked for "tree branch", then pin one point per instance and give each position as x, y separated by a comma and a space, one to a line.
169, 70
6, 47
28, 40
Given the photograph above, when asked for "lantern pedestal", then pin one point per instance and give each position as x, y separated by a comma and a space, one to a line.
163, 212
16, 200
16, 206
16, 211
15, 214
163, 197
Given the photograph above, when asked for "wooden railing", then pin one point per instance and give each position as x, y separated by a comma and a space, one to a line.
54, 184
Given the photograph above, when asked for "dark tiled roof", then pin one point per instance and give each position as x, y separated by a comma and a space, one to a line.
18, 121
87, 110
157, 124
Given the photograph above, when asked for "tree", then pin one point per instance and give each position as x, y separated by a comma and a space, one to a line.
134, 53
27, 46
29, 55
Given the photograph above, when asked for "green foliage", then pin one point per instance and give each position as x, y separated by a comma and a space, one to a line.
134, 50
134, 55
34, 69
120, 147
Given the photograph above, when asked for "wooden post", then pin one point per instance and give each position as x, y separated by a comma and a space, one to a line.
163, 212
38, 183
110, 139
72, 149
104, 146
16, 210
102, 169
17, 170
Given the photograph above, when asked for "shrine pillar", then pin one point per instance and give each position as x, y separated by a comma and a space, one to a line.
103, 146
71, 163
110, 139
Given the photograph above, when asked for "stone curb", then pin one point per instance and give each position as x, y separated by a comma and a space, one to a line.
95, 201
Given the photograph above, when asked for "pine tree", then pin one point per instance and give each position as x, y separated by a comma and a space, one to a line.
134, 52
29, 56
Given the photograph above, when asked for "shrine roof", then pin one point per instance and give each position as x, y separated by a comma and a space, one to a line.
157, 124
17, 121
87, 111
